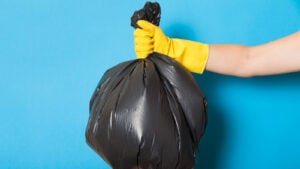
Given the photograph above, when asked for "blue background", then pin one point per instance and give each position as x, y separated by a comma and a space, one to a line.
54, 52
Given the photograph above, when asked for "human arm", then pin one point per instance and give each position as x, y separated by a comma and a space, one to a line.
276, 57
279, 56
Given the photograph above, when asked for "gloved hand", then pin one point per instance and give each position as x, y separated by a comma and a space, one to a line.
150, 38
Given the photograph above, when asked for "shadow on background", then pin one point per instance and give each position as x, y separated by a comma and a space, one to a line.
212, 144
283, 82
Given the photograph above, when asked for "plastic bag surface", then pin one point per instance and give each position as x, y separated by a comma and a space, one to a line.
147, 114
150, 12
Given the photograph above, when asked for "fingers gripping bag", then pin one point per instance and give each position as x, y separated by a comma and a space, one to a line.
147, 113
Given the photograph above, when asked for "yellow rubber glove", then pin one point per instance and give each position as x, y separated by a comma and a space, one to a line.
150, 38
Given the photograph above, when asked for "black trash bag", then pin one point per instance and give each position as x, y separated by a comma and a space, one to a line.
147, 114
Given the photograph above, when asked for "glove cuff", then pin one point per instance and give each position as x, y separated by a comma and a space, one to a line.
192, 55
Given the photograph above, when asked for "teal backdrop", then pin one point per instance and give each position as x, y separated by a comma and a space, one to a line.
53, 53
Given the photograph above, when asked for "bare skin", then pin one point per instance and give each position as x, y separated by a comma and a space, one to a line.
276, 57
